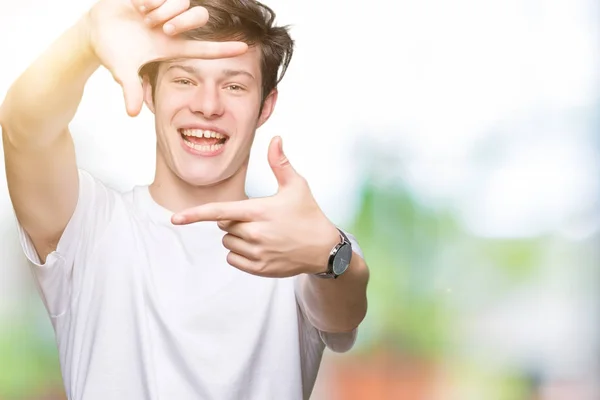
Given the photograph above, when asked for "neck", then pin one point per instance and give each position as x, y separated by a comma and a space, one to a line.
175, 194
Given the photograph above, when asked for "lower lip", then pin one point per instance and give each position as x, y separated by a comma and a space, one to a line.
200, 152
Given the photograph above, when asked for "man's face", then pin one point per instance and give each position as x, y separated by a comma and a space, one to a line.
206, 115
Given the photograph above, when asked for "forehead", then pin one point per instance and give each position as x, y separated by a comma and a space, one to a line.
249, 61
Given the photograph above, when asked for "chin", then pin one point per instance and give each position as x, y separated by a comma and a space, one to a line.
203, 171
202, 179
199, 171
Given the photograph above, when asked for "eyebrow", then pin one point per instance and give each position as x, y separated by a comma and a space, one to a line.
227, 72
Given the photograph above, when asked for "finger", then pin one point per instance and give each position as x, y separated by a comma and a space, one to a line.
225, 225
247, 231
245, 210
145, 6
132, 92
241, 247
193, 18
283, 170
168, 10
240, 262
233, 227
185, 48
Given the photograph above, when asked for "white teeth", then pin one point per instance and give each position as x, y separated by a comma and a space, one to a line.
202, 148
203, 133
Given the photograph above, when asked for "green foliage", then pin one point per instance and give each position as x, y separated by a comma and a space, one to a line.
28, 362
416, 255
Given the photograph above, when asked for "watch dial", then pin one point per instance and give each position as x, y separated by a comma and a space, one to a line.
342, 259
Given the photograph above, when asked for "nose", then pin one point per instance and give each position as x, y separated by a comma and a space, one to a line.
207, 102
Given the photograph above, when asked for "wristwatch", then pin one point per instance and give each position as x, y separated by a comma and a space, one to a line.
339, 258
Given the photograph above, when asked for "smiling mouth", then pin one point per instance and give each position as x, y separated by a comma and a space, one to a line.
203, 140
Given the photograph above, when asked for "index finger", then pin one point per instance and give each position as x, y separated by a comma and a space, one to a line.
190, 48
195, 49
244, 210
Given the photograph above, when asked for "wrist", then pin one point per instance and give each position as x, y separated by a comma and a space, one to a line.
86, 45
84, 27
328, 241
324, 239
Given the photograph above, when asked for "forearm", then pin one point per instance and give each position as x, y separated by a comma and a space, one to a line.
43, 100
337, 305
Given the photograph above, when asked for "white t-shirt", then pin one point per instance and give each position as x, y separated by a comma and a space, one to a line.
143, 309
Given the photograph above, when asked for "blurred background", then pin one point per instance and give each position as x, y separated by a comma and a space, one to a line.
458, 140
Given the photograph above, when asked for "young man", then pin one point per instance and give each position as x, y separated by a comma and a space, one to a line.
184, 289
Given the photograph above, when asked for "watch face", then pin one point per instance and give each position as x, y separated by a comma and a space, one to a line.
342, 258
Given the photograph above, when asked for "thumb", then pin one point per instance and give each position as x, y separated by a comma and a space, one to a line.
132, 91
283, 170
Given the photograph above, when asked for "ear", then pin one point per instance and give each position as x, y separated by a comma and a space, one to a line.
148, 93
267, 108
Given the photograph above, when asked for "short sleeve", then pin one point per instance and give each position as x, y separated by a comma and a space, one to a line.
53, 278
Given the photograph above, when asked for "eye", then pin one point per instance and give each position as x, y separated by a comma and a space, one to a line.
235, 88
183, 81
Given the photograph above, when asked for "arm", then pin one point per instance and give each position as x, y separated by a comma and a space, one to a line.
288, 235
40, 159
41, 168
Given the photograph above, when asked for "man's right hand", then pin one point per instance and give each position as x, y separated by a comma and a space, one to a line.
126, 34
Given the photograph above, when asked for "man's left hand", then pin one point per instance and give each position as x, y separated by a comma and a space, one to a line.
283, 235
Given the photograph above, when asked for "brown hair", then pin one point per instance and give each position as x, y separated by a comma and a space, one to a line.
248, 21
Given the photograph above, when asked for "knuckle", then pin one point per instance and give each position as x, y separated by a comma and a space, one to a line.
151, 7
254, 234
256, 213
163, 11
179, 6
218, 213
284, 161
302, 181
151, 18
262, 267
258, 253
152, 4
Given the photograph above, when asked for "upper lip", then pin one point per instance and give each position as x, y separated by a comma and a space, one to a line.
204, 128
